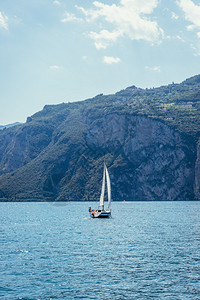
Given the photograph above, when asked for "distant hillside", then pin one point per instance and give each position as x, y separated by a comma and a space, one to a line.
9, 125
148, 137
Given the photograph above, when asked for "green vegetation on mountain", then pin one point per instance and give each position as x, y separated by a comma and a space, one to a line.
147, 136
176, 104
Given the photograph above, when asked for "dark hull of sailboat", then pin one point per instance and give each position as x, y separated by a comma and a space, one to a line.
101, 214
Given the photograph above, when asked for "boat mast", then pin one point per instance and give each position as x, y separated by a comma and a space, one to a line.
101, 202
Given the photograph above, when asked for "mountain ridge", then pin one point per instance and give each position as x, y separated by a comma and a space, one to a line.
147, 136
10, 125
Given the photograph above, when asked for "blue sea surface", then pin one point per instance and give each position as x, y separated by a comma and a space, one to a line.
147, 250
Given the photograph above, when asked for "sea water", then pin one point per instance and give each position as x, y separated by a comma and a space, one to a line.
147, 250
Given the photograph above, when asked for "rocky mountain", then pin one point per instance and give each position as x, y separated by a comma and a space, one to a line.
149, 139
9, 125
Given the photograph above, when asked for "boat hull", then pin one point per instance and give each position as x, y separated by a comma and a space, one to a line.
101, 214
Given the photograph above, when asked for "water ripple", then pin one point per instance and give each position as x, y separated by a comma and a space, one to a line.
49, 252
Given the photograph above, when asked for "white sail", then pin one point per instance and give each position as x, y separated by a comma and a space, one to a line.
101, 212
101, 202
108, 188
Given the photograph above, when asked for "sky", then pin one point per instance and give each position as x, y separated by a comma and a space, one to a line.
54, 51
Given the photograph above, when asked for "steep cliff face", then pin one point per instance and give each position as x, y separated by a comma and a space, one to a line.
22, 144
147, 160
155, 164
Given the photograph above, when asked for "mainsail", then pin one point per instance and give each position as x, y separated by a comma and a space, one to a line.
108, 188
107, 177
101, 202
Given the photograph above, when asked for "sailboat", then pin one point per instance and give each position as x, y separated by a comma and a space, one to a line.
101, 212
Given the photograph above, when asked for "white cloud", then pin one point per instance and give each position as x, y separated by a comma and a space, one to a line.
111, 60
56, 2
196, 49
155, 68
84, 57
55, 67
191, 11
3, 21
174, 16
128, 19
175, 37
103, 38
191, 27
180, 38
192, 14
68, 17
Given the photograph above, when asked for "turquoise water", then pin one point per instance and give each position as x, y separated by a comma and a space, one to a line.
147, 250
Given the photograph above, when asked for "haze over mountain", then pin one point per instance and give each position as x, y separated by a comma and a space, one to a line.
149, 139
9, 125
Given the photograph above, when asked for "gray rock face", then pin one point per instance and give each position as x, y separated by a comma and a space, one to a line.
147, 160
155, 164
19, 147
